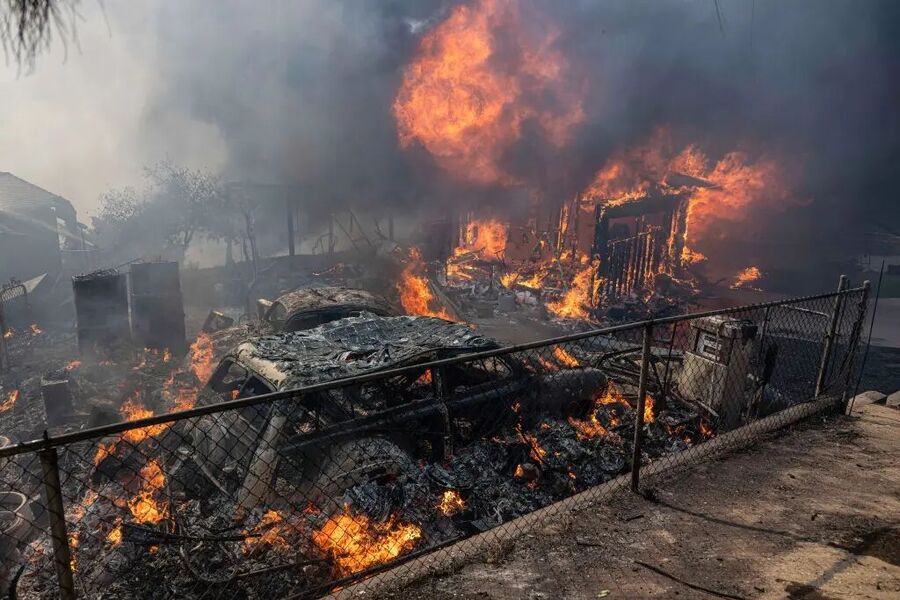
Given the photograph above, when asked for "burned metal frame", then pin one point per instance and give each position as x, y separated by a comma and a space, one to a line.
827, 376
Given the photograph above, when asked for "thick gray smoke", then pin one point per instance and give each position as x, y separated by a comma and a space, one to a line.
300, 93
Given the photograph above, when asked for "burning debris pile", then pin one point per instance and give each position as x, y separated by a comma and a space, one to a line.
167, 506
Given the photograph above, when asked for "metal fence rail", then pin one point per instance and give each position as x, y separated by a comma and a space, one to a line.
294, 494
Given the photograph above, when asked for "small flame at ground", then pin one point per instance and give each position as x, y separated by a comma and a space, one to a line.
9, 333
746, 277
35, 330
649, 417
536, 452
564, 358
416, 296
271, 530
143, 506
114, 537
355, 543
131, 410
574, 302
451, 503
592, 427
10, 401
202, 358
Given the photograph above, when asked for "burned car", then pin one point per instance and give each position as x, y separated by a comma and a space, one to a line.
322, 443
311, 307
295, 311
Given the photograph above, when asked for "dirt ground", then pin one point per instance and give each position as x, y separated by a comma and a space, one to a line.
811, 513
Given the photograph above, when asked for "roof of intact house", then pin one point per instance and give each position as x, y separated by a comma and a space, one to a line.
20, 196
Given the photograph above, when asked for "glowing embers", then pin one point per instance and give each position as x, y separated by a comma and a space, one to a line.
416, 295
356, 543
145, 506
450, 503
276, 531
131, 410
564, 358
10, 401
611, 406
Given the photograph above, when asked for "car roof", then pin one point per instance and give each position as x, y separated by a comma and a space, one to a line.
326, 297
353, 346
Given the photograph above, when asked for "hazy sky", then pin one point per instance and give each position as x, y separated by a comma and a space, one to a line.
78, 124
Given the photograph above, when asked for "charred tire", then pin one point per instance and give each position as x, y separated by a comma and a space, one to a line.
367, 460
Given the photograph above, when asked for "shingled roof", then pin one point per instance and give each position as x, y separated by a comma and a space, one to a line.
19, 196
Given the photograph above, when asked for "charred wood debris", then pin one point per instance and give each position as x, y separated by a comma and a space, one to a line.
520, 463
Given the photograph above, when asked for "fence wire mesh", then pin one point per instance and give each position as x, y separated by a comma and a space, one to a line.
296, 494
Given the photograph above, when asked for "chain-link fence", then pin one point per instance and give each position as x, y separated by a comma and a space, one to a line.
298, 493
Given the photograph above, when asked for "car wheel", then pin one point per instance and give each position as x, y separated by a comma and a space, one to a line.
371, 460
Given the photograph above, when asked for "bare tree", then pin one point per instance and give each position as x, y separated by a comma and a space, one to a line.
188, 195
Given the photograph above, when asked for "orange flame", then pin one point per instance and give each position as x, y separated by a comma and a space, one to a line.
564, 358
9, 333
649, 416
131, 410
202, 364
416, 296
536, 451
273, 528
114, 537
143, 506
705, 430
487, 236
35, 330
73, 364
74, 516
466, 102
10, 401
202, 356
574, 302
746, 277
735, 184
592, 427
355, 543
451, 503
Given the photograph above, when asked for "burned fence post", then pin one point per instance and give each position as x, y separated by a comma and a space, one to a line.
829, 336
62, 557
639, 409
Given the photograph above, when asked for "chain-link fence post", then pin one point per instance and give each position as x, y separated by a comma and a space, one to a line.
829, 337
61, 556
4, 353
639, 409
846, 405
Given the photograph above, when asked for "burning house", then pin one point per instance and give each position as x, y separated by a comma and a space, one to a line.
340, 394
